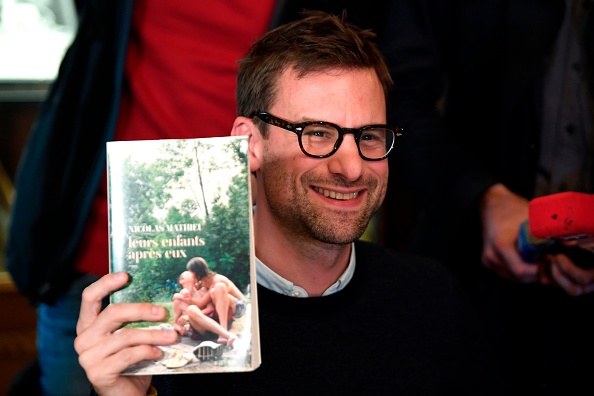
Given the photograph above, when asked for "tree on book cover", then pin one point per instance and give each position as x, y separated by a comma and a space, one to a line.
171, 201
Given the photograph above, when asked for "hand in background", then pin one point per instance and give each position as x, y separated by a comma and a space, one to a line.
104, 351
563, 272
502, 212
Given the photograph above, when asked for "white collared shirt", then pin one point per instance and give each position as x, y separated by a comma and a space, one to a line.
273, 281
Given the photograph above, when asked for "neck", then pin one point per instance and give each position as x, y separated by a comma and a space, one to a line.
308, 263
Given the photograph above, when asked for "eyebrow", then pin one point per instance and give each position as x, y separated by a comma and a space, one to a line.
309, 119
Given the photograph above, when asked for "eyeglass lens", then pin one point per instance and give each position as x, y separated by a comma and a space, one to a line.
320, 139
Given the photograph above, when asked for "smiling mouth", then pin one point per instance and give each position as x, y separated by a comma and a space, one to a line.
336, 195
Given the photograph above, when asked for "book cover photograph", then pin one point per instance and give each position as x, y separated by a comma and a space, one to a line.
180, 224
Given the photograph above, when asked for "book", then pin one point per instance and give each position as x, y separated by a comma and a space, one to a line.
175, 200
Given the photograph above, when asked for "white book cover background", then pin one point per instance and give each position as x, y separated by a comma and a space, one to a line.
171, 200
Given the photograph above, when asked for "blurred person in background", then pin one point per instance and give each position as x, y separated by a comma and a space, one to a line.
496, 97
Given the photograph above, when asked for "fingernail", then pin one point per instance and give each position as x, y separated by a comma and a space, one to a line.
156, 310
174, 334
158, 351
120, 275
129, 280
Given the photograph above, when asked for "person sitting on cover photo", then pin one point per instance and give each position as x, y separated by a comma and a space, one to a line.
229, 301
188, 295
207, 293
194, 311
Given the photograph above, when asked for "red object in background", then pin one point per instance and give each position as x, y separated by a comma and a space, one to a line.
562, 216
559, 223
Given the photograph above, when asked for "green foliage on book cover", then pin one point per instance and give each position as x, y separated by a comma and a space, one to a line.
190, 198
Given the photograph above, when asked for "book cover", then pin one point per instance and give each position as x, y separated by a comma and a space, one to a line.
174, 202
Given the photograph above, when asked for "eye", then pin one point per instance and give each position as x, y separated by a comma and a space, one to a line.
319, 133
373, 137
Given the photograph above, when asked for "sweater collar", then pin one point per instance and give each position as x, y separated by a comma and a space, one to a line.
271, 280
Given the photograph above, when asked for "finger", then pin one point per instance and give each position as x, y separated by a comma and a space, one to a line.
106, 380
519, 269
564, 281
497, 267
131, 385
113, 317
493, 261
105, 357
589, 288
522, 271
581, 276
567, 275
544, 273
93, 295
119, 350
574, 280
103, 371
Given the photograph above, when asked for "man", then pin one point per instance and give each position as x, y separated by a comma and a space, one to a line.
312, 98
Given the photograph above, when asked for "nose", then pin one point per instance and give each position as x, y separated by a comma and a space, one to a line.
346, 161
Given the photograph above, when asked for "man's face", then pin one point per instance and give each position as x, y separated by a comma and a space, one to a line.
330, 199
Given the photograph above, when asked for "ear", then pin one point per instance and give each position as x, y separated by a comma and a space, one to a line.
244, 126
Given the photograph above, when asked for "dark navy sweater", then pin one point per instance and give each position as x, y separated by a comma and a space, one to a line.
401, 326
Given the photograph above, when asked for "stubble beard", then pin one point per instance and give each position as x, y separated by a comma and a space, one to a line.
290, 206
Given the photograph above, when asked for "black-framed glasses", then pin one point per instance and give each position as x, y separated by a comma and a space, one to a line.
320, 139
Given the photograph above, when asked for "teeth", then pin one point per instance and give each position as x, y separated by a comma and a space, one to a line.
335, 195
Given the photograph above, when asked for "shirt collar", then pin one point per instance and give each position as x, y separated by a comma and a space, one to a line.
271, 280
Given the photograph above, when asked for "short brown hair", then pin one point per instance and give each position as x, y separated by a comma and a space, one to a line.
316, 42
